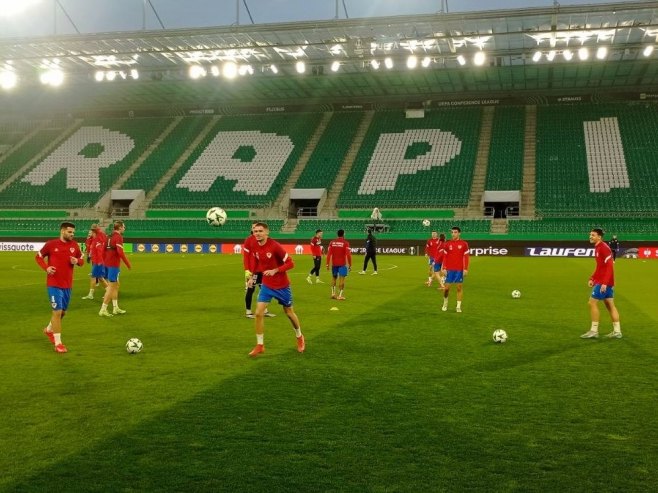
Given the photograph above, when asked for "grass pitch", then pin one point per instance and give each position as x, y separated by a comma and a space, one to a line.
391, 394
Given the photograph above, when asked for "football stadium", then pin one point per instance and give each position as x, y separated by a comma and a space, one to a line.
526, 128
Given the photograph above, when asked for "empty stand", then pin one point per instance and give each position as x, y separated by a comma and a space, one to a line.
505, 166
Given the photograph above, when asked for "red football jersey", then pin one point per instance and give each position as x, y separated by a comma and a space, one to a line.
438, 257
339, 253
431, 247
248, 247
455, 255
98, 248
114, 251
59, 255
316, 246
604, 273
271, 255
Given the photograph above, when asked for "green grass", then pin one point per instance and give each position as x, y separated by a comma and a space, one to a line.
391, 395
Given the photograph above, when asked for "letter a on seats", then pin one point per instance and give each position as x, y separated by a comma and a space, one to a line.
83, 173
254, 177
388, 160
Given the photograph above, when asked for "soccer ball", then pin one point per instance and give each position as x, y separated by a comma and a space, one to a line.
426, 223
499, 336
516, 293
216, 216
134, 345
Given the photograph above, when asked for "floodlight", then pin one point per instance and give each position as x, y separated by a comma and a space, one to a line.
274, 69
602, 52
52, 77
648, 50
134, 73
550, 56
111, 75
568, 55
479, 58
230, 70
214, 70
335, 66
461, 60
8, 79
412, 62
583, 53
388, 62
374, 64
536, 56
300, 67
99, 76
426, 62
196, 71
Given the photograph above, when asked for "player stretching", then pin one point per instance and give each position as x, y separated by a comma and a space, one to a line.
339, 256
602, 283
455, 266
272, 261
316, 251
114, 254
431, 253
62, 254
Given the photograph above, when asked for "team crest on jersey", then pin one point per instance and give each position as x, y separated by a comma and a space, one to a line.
268, 255
72, 250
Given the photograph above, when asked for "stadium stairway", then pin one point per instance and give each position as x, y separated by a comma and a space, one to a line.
529, 163
281, 203
474, 209
105, 202
153, 193
329, 209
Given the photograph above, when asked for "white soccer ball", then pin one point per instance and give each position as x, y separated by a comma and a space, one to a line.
516, 293
216, 216
499, 336
134, 345
426, 223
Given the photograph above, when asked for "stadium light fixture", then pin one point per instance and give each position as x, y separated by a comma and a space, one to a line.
53, 77
583, 53
335, 66
601, 52
461, 60
426, 62
134, 74
648, 50
196, 72
8, 79
374, 64
99, 76
214, 71
412, 62
568, 55
230, 70
388, 62
274, 69
536, 56
300, 67
479, 58
111, 75
245, 70
550, 56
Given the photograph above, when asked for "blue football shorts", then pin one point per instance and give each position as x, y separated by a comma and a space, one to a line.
113, 274
437, 266
454, 277
283, 295
59, 298
339, 271
598, 295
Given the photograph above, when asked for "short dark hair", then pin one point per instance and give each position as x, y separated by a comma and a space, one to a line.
341, 232
598, 231
318, 231
442, 237
262, 225
457, 228
118, 224
66, 224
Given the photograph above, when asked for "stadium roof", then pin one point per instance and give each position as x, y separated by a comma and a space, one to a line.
524, 50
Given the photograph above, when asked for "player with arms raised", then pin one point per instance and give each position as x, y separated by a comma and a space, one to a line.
455, 266
63, 254
269, 258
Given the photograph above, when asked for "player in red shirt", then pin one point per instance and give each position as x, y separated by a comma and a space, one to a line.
339, 256
248, 248
269, 258
114, 254
96, 254
602, 282
438, 261
316, 251
62, 254
431, 251
455, 266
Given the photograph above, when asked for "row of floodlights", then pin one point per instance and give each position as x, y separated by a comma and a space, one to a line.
52, 77
583, 53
